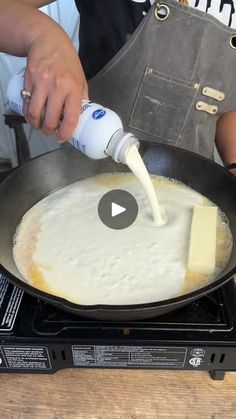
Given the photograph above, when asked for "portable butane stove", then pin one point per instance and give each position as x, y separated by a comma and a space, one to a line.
36, 337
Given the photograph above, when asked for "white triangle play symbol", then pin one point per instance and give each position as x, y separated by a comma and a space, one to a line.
116, 209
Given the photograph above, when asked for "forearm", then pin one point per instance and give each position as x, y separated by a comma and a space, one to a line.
226, 138
21, 23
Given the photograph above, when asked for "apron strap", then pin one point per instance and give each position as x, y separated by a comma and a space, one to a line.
230, 166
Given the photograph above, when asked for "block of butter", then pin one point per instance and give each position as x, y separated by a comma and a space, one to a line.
202, 246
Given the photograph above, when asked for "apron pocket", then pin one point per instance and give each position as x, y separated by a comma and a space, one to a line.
162, 106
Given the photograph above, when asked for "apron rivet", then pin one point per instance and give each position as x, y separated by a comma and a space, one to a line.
206, 107
233, 41
162, 12
213, 93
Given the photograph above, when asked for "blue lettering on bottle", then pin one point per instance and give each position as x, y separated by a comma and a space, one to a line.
99, 113
84, 107
78, 145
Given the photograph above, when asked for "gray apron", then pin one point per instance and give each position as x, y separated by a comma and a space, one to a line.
173, 78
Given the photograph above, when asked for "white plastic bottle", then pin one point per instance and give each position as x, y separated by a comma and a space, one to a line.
99, 132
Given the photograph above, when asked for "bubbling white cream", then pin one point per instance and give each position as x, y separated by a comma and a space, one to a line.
63, 248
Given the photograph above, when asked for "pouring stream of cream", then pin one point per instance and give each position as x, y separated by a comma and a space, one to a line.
135, 162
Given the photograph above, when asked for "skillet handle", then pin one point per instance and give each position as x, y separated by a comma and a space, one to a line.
15, 121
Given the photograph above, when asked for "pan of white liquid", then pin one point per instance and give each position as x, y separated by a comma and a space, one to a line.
79, 264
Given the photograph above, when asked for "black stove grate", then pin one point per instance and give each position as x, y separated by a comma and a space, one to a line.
207, 313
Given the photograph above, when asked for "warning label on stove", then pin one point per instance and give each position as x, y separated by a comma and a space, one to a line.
2, 360
10, 299
129, 356
25, 357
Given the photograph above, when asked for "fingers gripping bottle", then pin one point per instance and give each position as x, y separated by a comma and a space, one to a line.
99, 132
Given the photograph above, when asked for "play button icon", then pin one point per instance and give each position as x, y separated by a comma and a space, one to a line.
117, 209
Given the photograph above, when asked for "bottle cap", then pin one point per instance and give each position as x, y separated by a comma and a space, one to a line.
120, 144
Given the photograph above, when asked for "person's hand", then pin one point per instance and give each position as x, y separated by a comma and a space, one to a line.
56, 80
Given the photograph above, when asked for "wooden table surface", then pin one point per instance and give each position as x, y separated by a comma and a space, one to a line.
116, 394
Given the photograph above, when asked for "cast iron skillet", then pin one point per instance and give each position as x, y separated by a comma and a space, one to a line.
39, 177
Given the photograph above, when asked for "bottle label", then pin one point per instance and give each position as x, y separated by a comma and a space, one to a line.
85, 105
99, 113
78, 145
